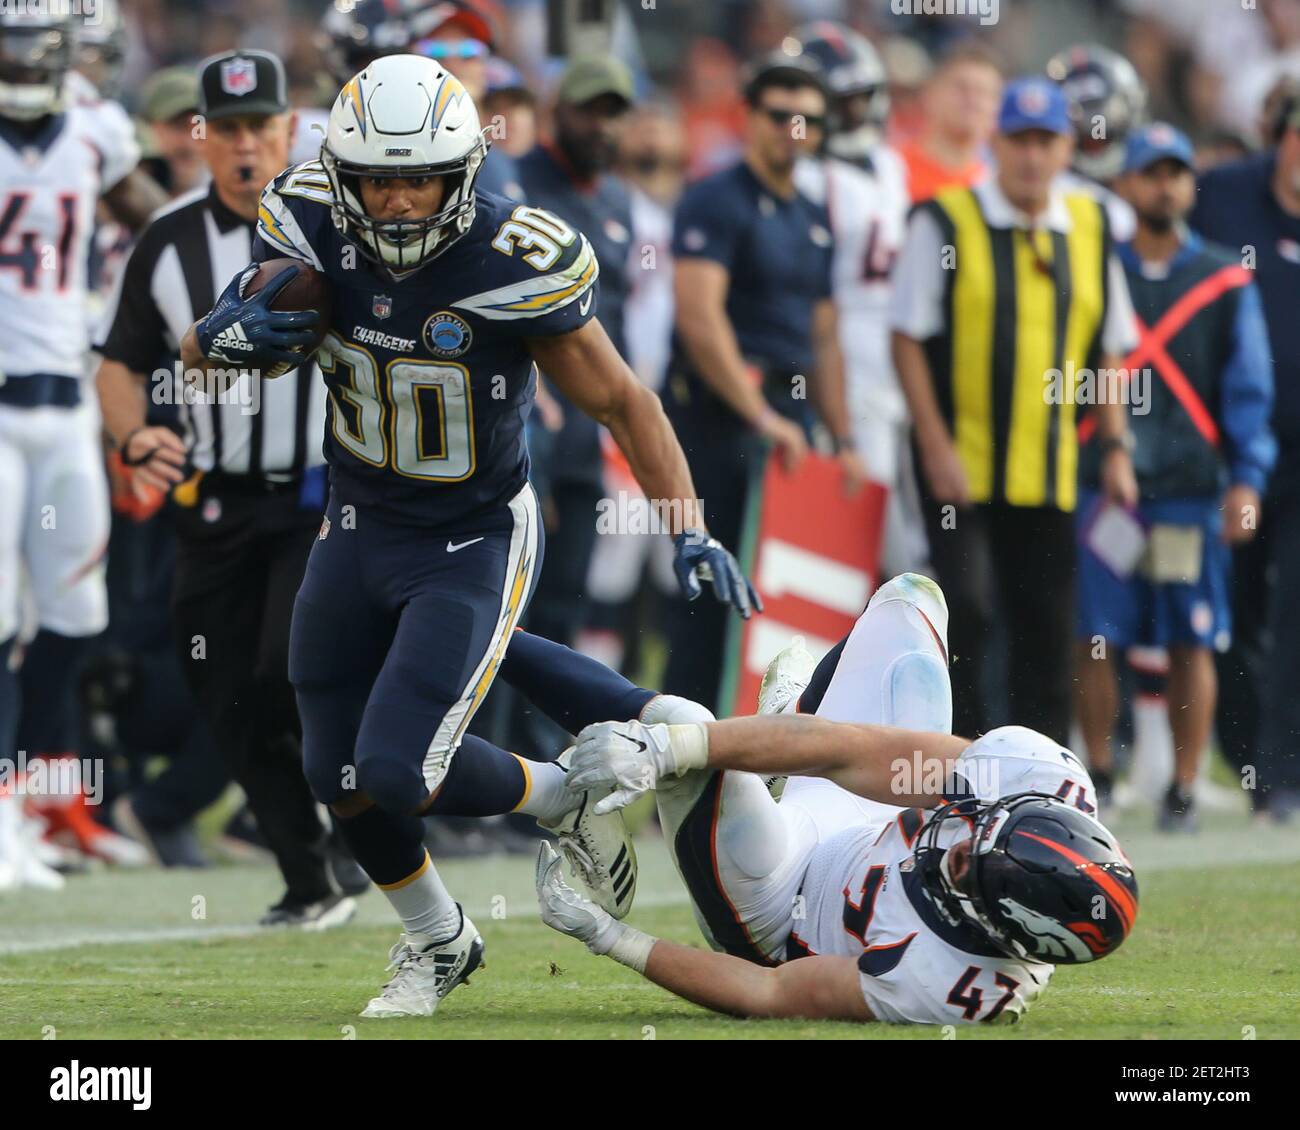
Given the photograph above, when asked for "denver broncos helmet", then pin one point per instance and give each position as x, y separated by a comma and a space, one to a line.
1046, 881
36, 54
855, 75
1108, 101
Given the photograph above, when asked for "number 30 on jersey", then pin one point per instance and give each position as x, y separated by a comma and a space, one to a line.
418, 439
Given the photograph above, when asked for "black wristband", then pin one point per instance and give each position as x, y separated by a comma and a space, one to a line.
1125, 443
127, 461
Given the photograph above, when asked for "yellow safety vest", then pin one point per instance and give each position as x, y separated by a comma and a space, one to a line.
1021, 317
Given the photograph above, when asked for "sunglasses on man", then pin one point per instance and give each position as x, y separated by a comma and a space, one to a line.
451, 49
785, 117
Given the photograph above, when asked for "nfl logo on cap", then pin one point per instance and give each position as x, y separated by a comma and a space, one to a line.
1033, 99
238, 76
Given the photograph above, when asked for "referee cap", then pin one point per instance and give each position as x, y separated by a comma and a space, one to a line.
242, 82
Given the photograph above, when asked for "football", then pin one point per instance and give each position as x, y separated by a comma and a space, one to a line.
308, 291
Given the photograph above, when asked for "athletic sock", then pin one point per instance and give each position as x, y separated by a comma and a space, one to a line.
546, 799
390, 849
48, 720
424, 904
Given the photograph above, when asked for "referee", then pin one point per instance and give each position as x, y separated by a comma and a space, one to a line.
247, 483
1005, 295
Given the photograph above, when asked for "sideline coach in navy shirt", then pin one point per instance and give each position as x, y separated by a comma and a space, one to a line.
756, 339
1255, 204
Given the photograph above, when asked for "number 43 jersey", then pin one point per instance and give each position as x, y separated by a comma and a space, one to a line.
429, 376
864, 898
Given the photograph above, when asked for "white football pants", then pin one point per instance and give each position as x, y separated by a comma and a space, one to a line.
54, 519
742, 854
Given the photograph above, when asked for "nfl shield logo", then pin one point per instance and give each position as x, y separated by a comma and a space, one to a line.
238, 76
382, 306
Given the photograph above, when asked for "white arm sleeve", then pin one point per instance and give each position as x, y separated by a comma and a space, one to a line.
916, 306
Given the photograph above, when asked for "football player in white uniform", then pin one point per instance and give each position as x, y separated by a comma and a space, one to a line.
863, 184
905, 875
59, 155
1109, 101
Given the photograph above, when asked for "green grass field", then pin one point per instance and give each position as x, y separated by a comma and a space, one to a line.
121, 955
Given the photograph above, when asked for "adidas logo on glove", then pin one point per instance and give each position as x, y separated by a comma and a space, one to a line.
232, 339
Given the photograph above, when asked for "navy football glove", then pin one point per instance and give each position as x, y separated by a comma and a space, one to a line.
696, 556
246, 332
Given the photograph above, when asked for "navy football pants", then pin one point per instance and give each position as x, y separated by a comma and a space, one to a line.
397, 635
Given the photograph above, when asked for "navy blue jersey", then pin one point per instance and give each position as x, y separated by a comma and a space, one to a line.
429, 377
1236, 207
778, 253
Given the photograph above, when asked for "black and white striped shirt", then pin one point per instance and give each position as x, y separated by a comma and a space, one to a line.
185, 258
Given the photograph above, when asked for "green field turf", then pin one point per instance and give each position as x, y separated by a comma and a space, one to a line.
121, 955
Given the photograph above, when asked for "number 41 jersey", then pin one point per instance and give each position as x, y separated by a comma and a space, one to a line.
429, 377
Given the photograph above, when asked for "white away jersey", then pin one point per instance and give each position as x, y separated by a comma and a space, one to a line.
864, 899
1123, 220
868, 212
49, 188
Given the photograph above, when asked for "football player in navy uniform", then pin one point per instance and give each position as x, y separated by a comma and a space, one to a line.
444, 302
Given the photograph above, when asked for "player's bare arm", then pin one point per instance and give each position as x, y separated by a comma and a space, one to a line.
135, 198
700, 295
816, 988
585, 365
631, 758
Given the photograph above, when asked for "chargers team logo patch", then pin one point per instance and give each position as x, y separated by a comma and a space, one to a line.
447, 334
382, 306
238, 76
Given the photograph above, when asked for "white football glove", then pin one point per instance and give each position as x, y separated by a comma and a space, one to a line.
569, 912
630, 758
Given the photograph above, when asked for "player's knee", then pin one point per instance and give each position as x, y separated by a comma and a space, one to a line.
918, 693
394, 786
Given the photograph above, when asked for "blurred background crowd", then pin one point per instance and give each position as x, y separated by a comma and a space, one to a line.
1224, 73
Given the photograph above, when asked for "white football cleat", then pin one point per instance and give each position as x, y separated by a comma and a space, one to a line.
598, 850
786, 677
425, 971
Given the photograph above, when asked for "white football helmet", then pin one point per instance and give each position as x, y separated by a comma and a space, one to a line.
403, 116
35, 57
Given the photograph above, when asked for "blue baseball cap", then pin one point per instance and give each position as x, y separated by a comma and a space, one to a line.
1157, 142
1034, 103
